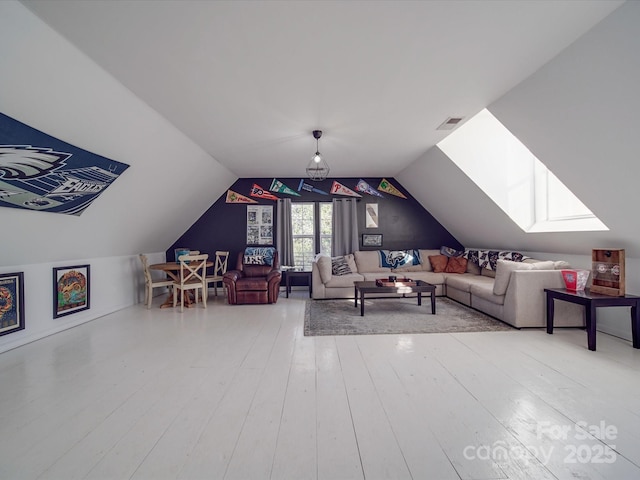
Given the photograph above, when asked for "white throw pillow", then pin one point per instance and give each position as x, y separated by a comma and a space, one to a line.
352, 263
503, 274
560, 264
324, 268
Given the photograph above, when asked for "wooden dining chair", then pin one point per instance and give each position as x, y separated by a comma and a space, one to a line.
150, 283
219, 269
193, 271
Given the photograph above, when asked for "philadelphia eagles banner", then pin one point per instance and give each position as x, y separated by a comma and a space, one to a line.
40, 172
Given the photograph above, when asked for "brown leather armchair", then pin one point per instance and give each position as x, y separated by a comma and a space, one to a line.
250, 283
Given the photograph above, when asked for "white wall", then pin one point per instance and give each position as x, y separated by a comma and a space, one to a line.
579, 115
115, 283
50, 85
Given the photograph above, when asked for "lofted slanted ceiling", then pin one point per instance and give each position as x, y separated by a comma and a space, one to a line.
248, 81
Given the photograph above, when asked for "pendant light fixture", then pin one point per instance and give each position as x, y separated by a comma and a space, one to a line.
318, 169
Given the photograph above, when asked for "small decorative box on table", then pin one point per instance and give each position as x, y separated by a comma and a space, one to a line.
608, 271
403, 282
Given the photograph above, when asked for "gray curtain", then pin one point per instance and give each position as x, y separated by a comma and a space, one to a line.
284, 234
344, 238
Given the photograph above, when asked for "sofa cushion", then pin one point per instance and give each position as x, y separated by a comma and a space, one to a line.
410, 268
369, 261
488, 273
438, 262
344, 280
473, 268
324, 268
503, 274
429, 277
456, 265
424, 258
485, 291
463, 282
545, 265
339, 266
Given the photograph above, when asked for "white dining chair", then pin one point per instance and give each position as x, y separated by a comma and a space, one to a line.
150, 283
219, 269
193, 271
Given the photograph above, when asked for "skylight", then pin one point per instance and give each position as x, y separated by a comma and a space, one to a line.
519, 183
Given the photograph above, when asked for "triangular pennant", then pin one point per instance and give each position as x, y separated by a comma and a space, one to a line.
309, 188
338, 189
366, 188
385, 186
259, 192
278, 186
234, 197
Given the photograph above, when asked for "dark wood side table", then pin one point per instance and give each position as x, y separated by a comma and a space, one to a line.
591, 301
299, 274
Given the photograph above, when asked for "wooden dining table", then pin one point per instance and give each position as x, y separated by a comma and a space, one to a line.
172, 269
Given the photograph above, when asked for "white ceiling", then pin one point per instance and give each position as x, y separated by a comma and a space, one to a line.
248, 81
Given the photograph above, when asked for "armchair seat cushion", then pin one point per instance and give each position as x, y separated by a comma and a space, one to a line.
252, 283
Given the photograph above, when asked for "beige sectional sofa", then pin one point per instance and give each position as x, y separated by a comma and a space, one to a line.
513, 293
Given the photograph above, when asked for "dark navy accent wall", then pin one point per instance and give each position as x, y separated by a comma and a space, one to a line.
404, 224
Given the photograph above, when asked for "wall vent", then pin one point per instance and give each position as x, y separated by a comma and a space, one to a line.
450, 123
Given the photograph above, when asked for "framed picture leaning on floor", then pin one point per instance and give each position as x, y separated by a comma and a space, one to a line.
71, 290
11, 302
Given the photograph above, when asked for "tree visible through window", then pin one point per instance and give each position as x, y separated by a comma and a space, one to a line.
311, 227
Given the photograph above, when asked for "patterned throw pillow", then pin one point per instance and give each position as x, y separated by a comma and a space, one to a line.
488, 258
339, 266
267, 254
399, 258
254, 260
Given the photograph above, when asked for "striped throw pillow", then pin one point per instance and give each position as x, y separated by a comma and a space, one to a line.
339, 266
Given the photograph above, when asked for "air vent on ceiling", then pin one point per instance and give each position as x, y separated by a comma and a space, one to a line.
450, 123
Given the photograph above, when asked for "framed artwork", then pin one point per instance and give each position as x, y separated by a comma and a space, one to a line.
371, 239
11, 302
71, 290
259, 224
371, 216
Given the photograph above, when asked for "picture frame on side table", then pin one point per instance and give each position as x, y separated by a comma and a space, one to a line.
11, 302
71, 290
371, 239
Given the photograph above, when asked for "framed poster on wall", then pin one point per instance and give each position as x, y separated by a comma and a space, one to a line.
11, 302
371, 239
259, 224
71, 290
371, 218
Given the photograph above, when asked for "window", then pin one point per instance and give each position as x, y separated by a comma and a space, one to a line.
326, 223
311, 226
520, 184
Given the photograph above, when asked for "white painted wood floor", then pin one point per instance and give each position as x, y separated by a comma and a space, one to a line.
237, 392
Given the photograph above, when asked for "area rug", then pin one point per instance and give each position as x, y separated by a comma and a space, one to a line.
395, 316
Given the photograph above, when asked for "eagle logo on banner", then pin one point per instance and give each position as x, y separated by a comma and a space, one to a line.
41, 172
25, 161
